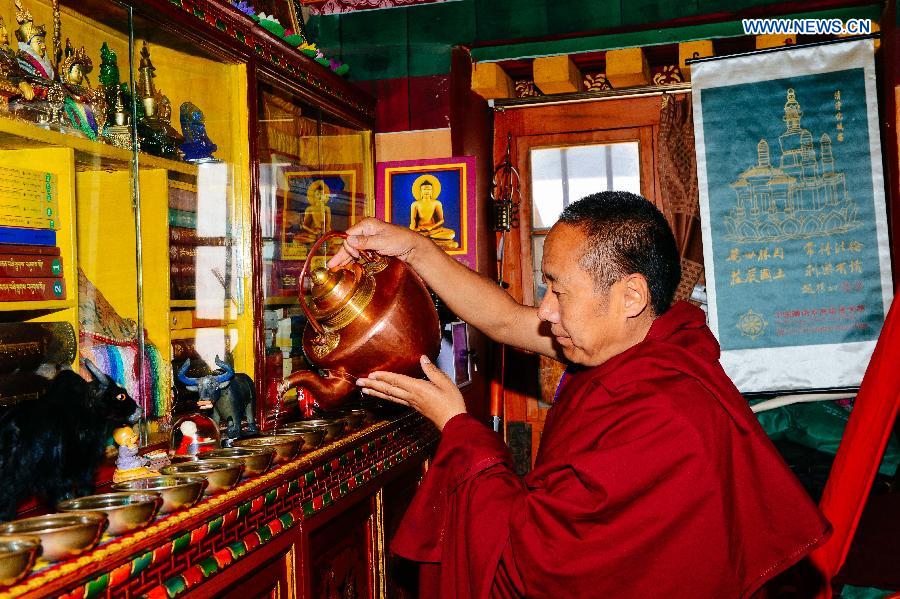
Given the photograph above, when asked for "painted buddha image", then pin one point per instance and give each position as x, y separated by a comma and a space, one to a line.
316, 219
426, 214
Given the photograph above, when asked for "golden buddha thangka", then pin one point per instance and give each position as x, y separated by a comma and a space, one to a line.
316, 219
426, 214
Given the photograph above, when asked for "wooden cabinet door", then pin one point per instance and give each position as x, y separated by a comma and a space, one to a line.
530, 381
340, 556
276, 579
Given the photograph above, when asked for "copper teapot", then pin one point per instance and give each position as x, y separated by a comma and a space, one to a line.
373, 314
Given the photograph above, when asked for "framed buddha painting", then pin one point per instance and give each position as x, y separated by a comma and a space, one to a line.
435, 198
314, 203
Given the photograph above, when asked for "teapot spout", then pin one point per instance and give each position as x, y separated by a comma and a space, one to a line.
328, 391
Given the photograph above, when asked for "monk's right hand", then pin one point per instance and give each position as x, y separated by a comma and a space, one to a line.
376, 236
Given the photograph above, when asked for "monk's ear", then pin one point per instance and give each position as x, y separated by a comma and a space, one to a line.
636, 295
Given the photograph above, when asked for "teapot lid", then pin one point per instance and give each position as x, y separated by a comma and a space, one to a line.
338, 296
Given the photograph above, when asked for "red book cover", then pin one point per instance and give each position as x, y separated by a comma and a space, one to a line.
15, 248
23, 265
22, 289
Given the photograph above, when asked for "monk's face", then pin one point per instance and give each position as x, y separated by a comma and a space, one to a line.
590, 325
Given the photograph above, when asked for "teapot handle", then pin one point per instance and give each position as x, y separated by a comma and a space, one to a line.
367, 256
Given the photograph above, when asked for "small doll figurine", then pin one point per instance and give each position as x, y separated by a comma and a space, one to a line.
129, 465
189, 444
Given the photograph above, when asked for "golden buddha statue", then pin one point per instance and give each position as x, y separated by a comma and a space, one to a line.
426, 214
316, 219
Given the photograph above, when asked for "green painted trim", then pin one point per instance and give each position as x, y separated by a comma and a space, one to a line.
651, 37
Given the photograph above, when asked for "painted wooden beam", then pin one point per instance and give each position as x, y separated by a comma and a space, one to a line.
627, 68
490, 81
687, 50
556, 75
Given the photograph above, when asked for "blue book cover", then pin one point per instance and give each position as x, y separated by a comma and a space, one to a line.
27, 236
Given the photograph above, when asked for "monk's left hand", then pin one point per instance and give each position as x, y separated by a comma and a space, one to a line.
438, 398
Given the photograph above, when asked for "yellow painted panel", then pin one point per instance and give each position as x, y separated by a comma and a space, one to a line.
696, 49
774, 41
413, 145
627, 68
154, 190
490, 81
107, 236
556, 75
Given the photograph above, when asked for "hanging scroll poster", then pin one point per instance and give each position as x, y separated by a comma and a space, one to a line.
793, 212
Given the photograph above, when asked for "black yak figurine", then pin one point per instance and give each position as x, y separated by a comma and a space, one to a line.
50, 447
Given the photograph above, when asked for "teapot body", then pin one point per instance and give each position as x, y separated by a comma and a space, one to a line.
399, 325
393, 324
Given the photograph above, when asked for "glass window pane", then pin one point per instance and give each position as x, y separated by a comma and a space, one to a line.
560, 176
546, 187
537, 253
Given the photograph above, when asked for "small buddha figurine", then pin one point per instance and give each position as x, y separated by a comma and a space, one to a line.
426, 214
129, 464
85, 108
197, 146
12, 77
316, 219
156, 134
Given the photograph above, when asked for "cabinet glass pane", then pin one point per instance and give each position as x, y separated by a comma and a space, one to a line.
559, 176
315, 177
67, 198
193, 186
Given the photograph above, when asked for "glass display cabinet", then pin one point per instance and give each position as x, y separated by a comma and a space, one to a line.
315, 176
165, 167
148, 223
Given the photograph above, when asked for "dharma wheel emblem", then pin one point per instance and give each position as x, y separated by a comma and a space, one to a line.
752, 324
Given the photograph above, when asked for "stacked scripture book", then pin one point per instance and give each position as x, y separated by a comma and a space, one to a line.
31, 267
25, 346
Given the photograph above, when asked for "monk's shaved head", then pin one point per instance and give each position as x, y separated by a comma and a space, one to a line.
627, 234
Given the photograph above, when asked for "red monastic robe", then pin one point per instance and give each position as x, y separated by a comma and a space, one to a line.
653, 479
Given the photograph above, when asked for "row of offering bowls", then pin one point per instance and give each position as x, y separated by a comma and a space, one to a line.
80, 522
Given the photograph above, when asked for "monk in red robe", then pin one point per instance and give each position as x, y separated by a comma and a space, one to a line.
653, 477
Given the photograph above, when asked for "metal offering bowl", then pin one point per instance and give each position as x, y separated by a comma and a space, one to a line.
221, 474
354, 417
256, 459
176, 491
17, 555
286, 446
126, 510
312, 435
333, 426
62, 535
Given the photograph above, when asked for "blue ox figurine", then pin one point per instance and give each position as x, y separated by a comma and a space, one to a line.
231, 395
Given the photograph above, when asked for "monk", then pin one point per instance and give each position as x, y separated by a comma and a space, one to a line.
653, 478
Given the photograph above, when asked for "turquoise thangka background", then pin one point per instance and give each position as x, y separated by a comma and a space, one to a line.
828, 288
